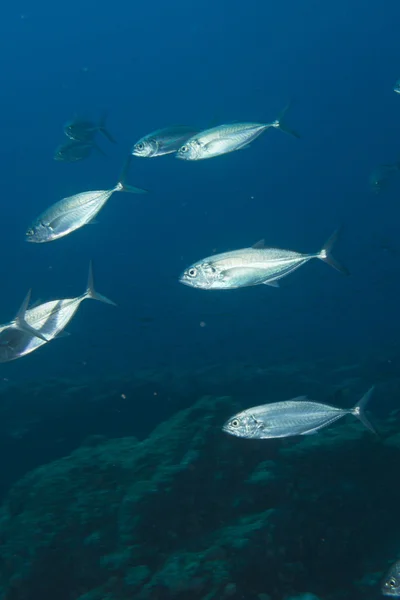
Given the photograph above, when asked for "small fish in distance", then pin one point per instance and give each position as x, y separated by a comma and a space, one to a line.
380, 175
73, 151
299, 416
228, 138
252, 266
49, 319
82, 130
69, 214
391, 582
163, 141
396, 87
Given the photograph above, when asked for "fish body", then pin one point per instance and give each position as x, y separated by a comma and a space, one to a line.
82, 130
396, 87
73, 151
391, 582
73, 212
228, 138
163, 141
67, 215
299, 416
252, 266
221, 140
49, 319
379, 177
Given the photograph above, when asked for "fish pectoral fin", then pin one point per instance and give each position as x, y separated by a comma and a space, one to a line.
274, 284
245, 147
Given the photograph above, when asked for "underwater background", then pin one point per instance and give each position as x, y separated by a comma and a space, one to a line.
116, 478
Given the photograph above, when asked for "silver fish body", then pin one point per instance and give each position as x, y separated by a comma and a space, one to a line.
222, 140
163, 141
396, 87
229, 138
299, 416
69, 214
251, 266
391, 582
49, 319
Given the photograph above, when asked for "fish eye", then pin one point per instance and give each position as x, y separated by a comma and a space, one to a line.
184, 149
392, 582
30, 232
140, 146
235, 423
192, 272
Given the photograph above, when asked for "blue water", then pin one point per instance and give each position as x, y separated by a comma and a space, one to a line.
151, 65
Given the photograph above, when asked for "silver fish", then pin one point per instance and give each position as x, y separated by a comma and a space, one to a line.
69, 214
252, 266
48, 319
228, 138
82, 130
163, 141
299, 416
391, 582
396, 87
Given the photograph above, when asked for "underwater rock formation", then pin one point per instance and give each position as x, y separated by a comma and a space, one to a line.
190, 512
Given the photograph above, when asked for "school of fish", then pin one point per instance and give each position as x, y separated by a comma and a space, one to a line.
33, 328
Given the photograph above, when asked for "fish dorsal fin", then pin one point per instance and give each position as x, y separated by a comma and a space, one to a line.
260, 244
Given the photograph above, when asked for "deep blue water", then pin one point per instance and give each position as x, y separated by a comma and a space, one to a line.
151, 65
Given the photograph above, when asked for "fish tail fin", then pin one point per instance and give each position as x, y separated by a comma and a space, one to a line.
359, 410
122, 186
280, 123
91, 292
326, 254
21, 323
104, 130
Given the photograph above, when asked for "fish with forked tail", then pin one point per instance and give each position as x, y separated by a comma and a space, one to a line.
69, 214
45, 322
228, 138
298, 416
253, 266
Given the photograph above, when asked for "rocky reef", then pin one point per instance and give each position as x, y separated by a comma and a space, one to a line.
188, 512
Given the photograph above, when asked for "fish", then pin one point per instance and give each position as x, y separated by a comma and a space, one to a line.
73, 151
82, 130
253, 266
71, 213
163, 141
396, 87
46, 322
228, 138
391, 582
380, 175
298, 416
